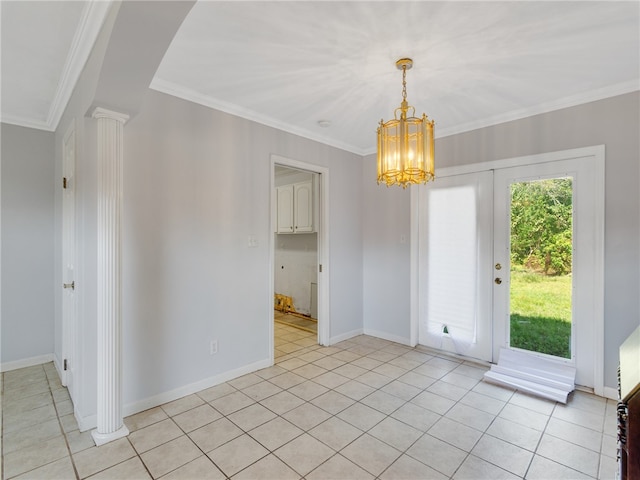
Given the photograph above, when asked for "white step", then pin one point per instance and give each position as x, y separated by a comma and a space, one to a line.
532, 374
544, 391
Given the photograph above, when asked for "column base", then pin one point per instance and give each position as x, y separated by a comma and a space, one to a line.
102, 438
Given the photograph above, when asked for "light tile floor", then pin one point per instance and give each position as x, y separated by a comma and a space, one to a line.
365, 408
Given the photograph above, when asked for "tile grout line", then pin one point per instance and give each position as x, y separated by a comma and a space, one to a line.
64, 434
383, 353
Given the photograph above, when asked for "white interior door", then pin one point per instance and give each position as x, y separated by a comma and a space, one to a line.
455, 268
68, 260
581, 174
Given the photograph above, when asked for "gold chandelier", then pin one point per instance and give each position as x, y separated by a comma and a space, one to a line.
405, 145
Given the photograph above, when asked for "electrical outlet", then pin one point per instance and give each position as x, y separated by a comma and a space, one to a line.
213, 347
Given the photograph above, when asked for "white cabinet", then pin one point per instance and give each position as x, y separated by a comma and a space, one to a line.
284, 198
295, 208
303, 207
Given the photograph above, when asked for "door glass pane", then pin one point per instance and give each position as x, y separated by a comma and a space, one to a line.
541, 266
452, 265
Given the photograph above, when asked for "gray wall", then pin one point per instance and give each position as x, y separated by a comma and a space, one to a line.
614, 122
27, 243
196, 184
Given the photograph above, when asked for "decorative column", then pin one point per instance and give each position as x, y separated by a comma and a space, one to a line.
110, 161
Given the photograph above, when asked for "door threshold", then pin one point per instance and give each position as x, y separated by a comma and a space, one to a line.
456, 356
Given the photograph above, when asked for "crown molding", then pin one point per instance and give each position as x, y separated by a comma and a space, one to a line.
25, 122
190, 95
566, 102
91, 21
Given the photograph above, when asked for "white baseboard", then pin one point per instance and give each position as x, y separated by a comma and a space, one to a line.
345, 336
387, 336
85, 423
91, 421
611, 393
27, 362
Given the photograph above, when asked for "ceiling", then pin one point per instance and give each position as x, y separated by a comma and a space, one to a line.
291, 65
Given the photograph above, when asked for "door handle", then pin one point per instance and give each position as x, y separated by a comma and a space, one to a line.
498, 280
71, 285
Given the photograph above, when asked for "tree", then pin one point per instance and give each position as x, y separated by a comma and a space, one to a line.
541, 225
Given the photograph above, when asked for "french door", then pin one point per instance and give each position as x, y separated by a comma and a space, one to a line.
564, 312
466, 303
456, 247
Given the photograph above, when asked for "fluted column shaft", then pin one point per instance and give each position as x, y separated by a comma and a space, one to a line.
110, 425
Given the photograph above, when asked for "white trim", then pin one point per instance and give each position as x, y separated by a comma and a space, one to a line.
387, 336
102, 438
414, 258
559, 104
324, 288
191, 95
100, 112
89, 26
26, 122
345, 336
194, 96
26, 362
598, 280
611, 393
91, 21
596, 151
90, 421
68, 239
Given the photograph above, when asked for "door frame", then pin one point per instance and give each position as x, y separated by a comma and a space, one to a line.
69, 315
597, 153
323, 244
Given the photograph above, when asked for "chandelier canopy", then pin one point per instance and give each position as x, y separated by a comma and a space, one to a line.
406, 144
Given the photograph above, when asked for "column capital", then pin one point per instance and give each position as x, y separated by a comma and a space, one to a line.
100, 112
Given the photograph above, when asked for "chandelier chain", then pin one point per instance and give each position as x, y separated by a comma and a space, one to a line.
404, 83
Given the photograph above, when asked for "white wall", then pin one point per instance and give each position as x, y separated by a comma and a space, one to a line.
386, 254
27, 257
296, 267
614, 122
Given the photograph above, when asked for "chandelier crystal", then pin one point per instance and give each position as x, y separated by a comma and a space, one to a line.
406, 144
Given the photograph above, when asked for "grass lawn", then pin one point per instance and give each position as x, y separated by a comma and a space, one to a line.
541, 313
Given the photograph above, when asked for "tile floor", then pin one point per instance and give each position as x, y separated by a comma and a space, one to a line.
365, 408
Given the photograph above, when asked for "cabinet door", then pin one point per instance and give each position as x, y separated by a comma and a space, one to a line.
303, 212
285, 209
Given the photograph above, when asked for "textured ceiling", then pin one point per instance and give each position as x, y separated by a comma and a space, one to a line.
292, 64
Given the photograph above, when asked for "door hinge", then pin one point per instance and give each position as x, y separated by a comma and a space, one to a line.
71, 285
64, 365
64, 182
320, 268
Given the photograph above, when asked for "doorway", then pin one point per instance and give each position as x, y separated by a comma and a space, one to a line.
299, 250
469, 274
296, 249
